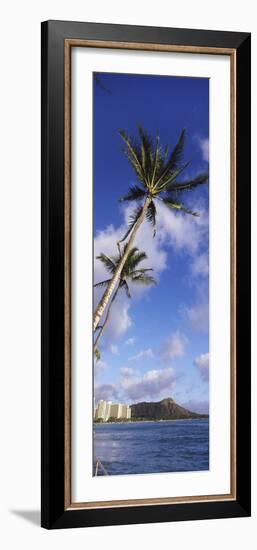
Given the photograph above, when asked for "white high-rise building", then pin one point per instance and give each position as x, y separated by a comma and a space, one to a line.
116, 410
101, 409
125, 411
106, 410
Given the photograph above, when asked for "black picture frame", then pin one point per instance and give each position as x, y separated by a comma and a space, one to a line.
54, 514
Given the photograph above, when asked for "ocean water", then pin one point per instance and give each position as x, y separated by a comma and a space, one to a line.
152, 447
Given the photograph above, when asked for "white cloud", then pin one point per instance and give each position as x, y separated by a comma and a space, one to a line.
183, 233
198, 312
202, 363
200, 265
108, 392
119, 322
153, 384
204, 146
99, 367
152, 246
201, 407
174, 346
130, 341
180, 231
127, 372
198, 315
143, 354
105, 241
114, 349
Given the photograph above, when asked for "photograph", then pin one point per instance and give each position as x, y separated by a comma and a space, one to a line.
151, 274
145, 267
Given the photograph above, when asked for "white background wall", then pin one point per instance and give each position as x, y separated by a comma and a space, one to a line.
20, 271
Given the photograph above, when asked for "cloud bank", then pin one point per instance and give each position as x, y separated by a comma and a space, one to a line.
201, 407
204, 146
99, 367
143, 354
184, 234
133, 387
174, 346
202, 364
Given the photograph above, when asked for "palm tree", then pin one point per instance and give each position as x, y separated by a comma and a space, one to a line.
130, 272
157, 179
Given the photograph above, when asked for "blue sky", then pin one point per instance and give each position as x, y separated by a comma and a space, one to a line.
156, 344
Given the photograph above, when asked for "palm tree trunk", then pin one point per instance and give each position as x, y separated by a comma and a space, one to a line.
109, 290
105, 321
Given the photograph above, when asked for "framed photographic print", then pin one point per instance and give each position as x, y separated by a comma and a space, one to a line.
145, 274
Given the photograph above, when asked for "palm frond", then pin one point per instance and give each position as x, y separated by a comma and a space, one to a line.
188, 184
176, 154
132, 220
151, 216
108, 262
124, 285
146, 144
173, 162
132, 262
144, 279
132, 253
97, 354
170, 177
165, 152
158, 173
178, 206
159, 160
132, 153
135, 193
142, 270
102, 283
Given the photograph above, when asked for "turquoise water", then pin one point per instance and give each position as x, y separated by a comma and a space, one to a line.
153, 447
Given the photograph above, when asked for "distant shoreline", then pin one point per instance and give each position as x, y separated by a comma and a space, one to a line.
203, 417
